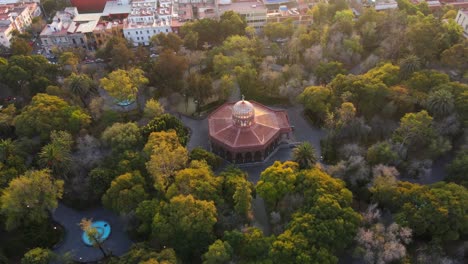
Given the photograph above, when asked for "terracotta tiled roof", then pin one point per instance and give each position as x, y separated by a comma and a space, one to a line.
268, 125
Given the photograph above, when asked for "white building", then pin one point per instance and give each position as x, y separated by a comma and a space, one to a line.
70, 30
146, 19
462, 20
16, 17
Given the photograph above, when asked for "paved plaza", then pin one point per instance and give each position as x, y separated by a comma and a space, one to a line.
118, 242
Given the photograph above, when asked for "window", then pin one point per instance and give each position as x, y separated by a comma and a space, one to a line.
147, 31
154, 31
136, 32
138, 38
141, 32
167, 30
82, 41
128, 33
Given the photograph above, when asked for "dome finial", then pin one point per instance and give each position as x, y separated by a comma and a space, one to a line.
243, 97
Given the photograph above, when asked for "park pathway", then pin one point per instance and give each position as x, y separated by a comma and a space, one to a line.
118, 242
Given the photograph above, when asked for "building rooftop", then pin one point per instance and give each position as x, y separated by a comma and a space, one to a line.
114, 7
267, 125
241, 7
87, 17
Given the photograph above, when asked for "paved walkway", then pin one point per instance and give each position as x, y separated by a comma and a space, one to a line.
118, 242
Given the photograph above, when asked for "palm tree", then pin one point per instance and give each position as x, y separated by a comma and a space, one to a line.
304, 155
56, 157
408, 65
80, 85
7, 148
440, 103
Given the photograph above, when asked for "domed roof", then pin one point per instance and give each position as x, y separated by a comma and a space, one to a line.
243, 109
243, 113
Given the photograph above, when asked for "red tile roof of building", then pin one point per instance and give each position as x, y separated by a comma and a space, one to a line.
268, 125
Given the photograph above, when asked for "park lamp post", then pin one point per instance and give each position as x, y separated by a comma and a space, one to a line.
197, 108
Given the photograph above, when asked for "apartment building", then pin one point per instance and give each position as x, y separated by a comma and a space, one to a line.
69, 29
16, 17
146, 19
462, 20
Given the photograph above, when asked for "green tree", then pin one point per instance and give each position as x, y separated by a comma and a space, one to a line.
207, 31
200, 87
232, 179
381, 153
211, 159
80, 85
242, 199
368, 94
218, 253
191, 40
37, 256
57, 154
166, 122
197, 180
251, 245
166, 156
186, 224
408, 65
46, 113
99, 181
326, 71
93, 234
30, 198
121, 56
437, 210
231, 23
276, 181
125, 193
168, 71
327, 225
456, 56
385, 72
153, 109
7, 117
425, 80
30, 74
457, 169
122, 136
317, 101
304, 155
20, 46
123, 85
415, 130
167, 41
69, 59
143, 254
12, 164
295, 248
344, 21
440, 103
278, 30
